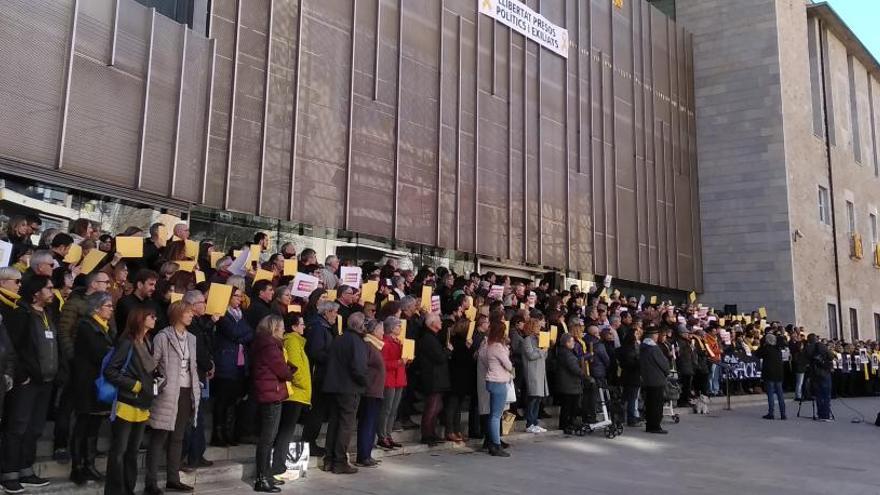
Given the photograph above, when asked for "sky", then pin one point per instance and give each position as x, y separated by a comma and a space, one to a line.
863, 17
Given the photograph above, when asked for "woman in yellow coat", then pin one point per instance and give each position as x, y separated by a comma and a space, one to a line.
299, 392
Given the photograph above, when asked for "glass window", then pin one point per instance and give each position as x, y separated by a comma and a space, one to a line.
824, 206
854, 324
832, 321
873, 219
850, 217
854, 112
877, 326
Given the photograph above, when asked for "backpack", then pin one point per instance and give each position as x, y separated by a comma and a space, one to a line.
104, 390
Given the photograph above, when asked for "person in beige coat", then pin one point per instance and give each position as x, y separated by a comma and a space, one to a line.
176, 405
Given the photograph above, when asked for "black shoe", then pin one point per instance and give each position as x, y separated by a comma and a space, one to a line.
782, 417
658, 431
33, 481
11, 486
264, 486
344, 468
316, 451
505, 445
61, 456
152, 490
367, 463
177, 486
91, 473
768, 416
275, 480
204, 463
78, 477
187, 468
325, 466
497, 451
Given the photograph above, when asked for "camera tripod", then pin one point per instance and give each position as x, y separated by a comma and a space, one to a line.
812, 402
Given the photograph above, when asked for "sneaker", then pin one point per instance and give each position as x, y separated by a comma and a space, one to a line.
532, 429
33, 481
541, 429
11, 486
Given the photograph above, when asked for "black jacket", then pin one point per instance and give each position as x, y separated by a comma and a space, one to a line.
771, 363
653, 366
799, 359
462, 367
203, 328
684, 361
90, 345
131, 301
346, 365
7, 361
256, 312
628, 360
319, 336
25, 328
433, 362
137, 371
569, 376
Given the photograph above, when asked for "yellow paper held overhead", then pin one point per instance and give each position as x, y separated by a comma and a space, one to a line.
544, 340
409, 349
192, 249
200, 276
74, 254
175, 296
218, 299
91, 261
294, 308
130, 247
426, 298
290, 268
263, 275
471, 326
471, 313
339, 324
215, 257
186, 266
747, 319
554, 333
762, 311
331, 295
603, 294
692, 296
368, 291
653, 299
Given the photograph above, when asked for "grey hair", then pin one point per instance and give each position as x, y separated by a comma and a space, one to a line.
408, 302
331, 258
168, 268
91, 277
48, 236
9, 273
372, 325
222, 261
614, 319
325, 307
41, 257
96, 300
236, 281
390, 323
281, 290
356, 322
430, 318
193, 296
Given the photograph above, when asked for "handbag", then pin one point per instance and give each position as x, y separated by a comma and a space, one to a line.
508, 419
104, 390
511, 393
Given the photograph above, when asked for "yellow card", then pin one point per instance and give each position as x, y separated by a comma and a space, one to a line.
554, 333
218, 299
762, 311
544, 340
200, 276
653, 299
192, 249
471, 327
506, 328
426, 298
471, 313
522, 305
290, 268
390, 297
162, 235
130, 247
74, 255
747, 319
236, 253
186, 266
263, 275
692, 296
409, 349
215, 257
255, 253
331, 295
294, 308
91, 261
339, 324
403, 327
368, 291
175, 296
603, 294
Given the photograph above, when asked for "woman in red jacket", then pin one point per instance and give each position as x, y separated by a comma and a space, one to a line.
270, 373
395, 381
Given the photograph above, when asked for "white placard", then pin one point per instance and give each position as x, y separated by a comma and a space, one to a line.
240, 265
350, 275
496, 292
303, 285
5, 253
607, 281
522, 19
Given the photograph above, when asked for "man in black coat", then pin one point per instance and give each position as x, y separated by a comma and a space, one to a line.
202, 327
772, 373
261, 302
654, 368
320, 329
346, 380
144, 287
432, 358
684, 362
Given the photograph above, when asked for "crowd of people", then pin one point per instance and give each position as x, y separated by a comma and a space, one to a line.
83, 312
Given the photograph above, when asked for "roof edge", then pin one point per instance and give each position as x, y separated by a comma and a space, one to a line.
841, 30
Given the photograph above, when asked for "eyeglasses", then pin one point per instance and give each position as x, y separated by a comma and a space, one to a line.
16, 280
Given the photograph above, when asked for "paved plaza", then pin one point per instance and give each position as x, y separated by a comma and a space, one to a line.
728, 452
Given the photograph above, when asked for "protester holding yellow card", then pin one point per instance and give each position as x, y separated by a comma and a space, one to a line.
339, 324
200, 276
426, 298
74, 254
409, 350
554, 333
130, 247
762, 311
290, 268
472, 325
692, 297
471, 313
218, 299
91, 261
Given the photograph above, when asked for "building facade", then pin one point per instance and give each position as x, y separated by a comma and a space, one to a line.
788, 119
413, 126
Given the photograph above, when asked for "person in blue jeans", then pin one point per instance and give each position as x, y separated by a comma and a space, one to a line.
494, 357
772, 373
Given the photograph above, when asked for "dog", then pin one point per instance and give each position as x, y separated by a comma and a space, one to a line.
701, 405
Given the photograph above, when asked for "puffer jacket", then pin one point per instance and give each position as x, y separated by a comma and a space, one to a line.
299, 388
375, 372
167, 353
269, 370
395, 370
233, 336
75, 309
